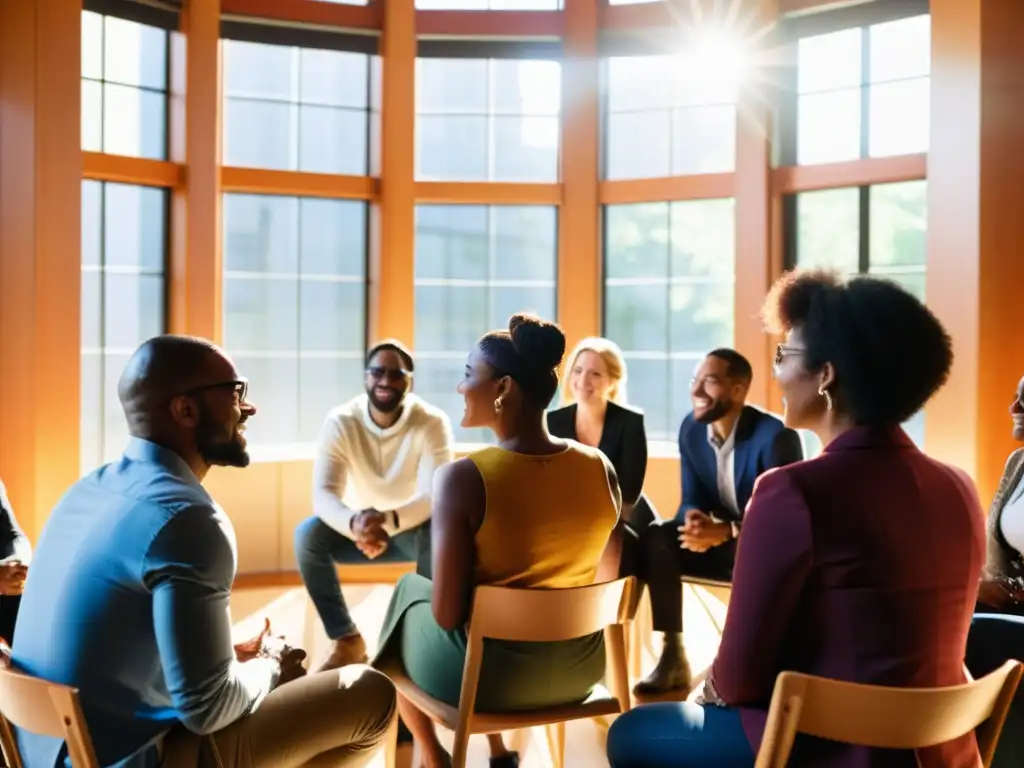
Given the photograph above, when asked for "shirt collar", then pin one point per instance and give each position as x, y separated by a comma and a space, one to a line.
729, 442
139, 449
399, 426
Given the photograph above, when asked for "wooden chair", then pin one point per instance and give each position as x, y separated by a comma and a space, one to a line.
880, 716
46, 708
533, 615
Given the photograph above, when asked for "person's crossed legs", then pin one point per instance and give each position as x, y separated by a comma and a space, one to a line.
318, 548
336, 719
679, 735
665, 564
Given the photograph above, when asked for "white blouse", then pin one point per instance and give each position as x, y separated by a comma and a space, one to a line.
1011, 522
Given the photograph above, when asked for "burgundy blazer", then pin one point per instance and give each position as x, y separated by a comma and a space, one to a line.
859, 565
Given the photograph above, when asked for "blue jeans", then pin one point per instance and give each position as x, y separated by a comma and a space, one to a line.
679, 735
993, 639
318, 547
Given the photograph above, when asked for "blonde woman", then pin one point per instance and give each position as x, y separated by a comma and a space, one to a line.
594, 412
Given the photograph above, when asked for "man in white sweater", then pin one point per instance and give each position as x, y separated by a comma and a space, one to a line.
372, 479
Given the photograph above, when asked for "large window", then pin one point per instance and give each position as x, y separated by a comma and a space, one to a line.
295, 308
864, 92
879, 230
489, 5
487, 120
476, 266
124, 87
669, 290
669, 116
124, 247
300, 109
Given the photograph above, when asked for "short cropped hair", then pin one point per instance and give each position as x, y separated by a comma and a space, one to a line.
889, 352
737, 366
392, 345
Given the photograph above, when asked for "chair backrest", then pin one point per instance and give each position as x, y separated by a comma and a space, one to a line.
45, 708
882, 716
549, 615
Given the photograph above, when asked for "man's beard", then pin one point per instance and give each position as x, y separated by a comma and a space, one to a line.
217, 450
717, 410
385, 406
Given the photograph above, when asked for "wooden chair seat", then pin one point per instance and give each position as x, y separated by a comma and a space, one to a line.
599, 704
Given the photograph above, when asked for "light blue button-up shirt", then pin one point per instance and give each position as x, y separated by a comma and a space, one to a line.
127, 600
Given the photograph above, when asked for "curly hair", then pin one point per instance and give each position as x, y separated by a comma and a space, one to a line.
889, 352
529, 353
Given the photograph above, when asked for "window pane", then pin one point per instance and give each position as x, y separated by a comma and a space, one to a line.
828, 129
668, 297
911, 280
668, 116
828, 229
703, 140
901, 49
639, 145
92, 45
489, 5
475, 267
134, 122
528, 149
134, 220
332, 140
312, 108
134, 54
829, 62
124, 87
295, 307
900, 118
273, 146
122, 302
487, 120
899, 224
334, 78
451, 148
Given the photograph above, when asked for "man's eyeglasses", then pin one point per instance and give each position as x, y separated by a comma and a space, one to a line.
240, 387
380, 372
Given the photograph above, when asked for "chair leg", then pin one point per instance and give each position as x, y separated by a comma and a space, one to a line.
555, 733
460, 748
391, 745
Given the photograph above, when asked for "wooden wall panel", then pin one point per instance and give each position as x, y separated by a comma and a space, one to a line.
196, 246
392, 263
40, 245
579, 219
975, 227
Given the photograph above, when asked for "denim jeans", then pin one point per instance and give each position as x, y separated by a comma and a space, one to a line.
993, 639
679, 735
318, 547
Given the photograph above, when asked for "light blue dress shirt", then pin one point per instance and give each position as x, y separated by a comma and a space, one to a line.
127, 600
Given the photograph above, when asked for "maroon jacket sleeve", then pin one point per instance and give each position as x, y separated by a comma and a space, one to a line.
773, 560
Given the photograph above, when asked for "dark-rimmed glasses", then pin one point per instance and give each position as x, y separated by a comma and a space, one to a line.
240, 387
381, 372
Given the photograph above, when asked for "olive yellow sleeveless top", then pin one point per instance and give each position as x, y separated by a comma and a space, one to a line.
547, 519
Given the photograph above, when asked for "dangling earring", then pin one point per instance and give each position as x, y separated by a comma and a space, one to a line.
497, 405
827, 395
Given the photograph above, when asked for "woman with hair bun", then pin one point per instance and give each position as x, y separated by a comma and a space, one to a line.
503, 516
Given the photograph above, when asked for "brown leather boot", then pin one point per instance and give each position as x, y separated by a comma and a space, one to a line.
672, 672
350, 649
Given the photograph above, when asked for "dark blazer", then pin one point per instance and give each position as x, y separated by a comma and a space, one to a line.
13, 541
825, 583
762, 442
623, 441
1002, 559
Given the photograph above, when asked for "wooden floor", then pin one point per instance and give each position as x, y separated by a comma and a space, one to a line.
292, 615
